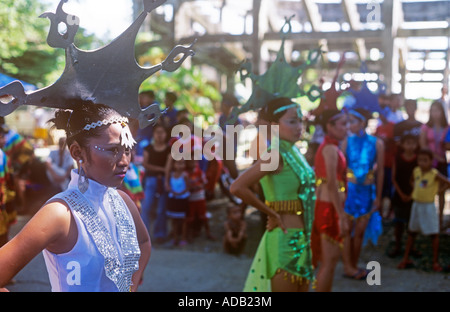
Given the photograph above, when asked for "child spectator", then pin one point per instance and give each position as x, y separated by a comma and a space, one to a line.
178, 201
132, 183
432, 137
395, 103
424, 217
235, 231
197, 200
410, 124
402, 170
8, 214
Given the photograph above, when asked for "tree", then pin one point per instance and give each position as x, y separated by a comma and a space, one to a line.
24, 52
194, 92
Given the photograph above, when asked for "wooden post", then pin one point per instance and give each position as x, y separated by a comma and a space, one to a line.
256, 43
388, 43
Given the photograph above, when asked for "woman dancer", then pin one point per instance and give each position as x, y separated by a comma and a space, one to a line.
283, 258
364, 154
330, 221
91, 235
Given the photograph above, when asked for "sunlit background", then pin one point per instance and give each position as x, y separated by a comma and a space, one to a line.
418, 46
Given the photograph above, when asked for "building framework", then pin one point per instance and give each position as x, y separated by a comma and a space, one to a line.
404, 43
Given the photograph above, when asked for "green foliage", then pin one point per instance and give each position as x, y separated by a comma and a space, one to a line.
23, 47
24, 52
194, 92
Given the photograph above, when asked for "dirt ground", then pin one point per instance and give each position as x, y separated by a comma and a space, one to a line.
420, 278
202, 266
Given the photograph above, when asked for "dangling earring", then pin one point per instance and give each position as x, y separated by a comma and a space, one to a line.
83, 181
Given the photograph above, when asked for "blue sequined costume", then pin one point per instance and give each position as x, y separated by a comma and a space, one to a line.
361, 156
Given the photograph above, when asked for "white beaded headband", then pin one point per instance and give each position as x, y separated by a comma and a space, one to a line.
105, 122
127, 139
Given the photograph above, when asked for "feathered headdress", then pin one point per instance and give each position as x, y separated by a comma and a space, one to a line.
280, 80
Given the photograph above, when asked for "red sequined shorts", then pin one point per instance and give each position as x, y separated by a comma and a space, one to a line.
326, 225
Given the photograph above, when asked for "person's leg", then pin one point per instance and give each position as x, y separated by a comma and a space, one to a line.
149, 191
208, 230
183, 235
201, 214
360, 228
330, 254
386, 213
349, 268
443, 169
160, 225
176, 230
189, 237
191, 220
441, 208
409, 245
435, 245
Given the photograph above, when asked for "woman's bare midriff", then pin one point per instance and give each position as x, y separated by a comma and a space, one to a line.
323, 194
292, 221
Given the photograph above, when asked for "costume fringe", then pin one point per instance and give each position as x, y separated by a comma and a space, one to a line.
350, 175
342, 184
332, 240
365, 216
286, 206
294, 279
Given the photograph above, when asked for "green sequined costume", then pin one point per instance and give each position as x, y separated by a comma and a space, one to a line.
289, 191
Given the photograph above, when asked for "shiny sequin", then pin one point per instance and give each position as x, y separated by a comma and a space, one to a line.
299, 245
361, 158
361, 155
120, 272
306, 176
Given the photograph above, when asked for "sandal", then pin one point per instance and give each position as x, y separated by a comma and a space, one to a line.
437, 268
358, 276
